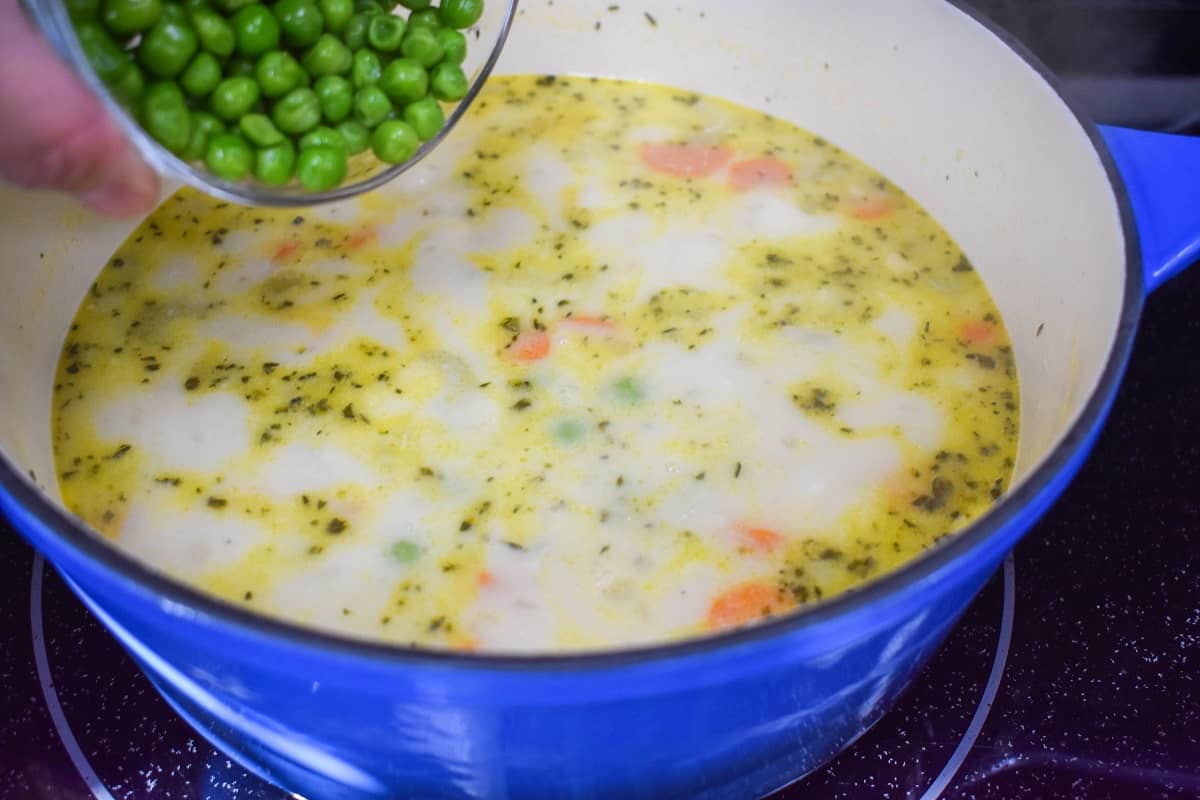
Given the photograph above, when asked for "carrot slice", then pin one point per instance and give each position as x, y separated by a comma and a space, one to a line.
978, 332
759, 538
756, 172
530, 346
360, 237
745, 602
486, 578
684, 160
598, 324
285, 252
871, 208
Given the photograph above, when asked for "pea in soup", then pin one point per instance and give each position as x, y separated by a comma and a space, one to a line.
621, 364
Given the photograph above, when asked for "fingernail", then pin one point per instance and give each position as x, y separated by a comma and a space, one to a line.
131, 190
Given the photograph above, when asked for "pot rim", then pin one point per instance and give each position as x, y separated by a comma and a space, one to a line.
1007, 511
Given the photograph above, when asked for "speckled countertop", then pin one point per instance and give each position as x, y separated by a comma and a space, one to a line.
1093, 677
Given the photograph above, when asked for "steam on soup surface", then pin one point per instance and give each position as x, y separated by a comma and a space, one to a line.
619, 364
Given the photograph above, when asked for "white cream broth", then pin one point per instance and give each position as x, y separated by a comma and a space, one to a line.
619, 365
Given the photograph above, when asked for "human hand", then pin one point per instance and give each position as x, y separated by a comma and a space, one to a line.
55, 135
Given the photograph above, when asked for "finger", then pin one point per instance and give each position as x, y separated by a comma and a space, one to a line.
56, 135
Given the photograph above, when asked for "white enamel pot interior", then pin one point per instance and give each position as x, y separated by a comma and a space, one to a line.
918, 89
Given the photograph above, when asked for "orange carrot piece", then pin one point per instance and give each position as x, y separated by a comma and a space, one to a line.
871, 208
745, 602
760, 538
684, 160
360, 237
530, 346
600, 324
978, 331
486, 578
755, 172
285, 252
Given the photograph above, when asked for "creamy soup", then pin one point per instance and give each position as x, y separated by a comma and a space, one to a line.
619, 364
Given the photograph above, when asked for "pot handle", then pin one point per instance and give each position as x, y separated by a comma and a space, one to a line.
1162, 179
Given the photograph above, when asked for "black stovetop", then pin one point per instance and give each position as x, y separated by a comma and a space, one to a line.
1075, 674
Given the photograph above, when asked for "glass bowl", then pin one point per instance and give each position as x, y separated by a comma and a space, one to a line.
485, 41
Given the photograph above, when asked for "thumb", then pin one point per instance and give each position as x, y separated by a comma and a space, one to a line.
56, 135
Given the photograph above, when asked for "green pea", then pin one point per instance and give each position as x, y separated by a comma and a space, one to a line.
386, 33
421, 45
174, 12
234, 97
371, 106
356, 135
240, 67
448, 83
231, 6
425, 18
569, 431
214, 32
328, 56
127, 17
368, 8
204, 127
106, 57
165, 116
229, 157
202, 75
167, 48
208, 122
366, 70
192, 6
278, 73
355, 32
404, 81
275, 165
460, 13
454, 45
300, 22
259, 130
394, 141
321, 168
336, 13
297, 112
256, 30
415, 5
323, 137
629, 390
82, 9
336, 95
405, 551
425, 116
129, 88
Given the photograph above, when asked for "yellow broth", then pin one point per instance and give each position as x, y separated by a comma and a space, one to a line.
620, 364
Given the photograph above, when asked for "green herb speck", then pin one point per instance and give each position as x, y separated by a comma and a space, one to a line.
629, 391
569, 431
406, 551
